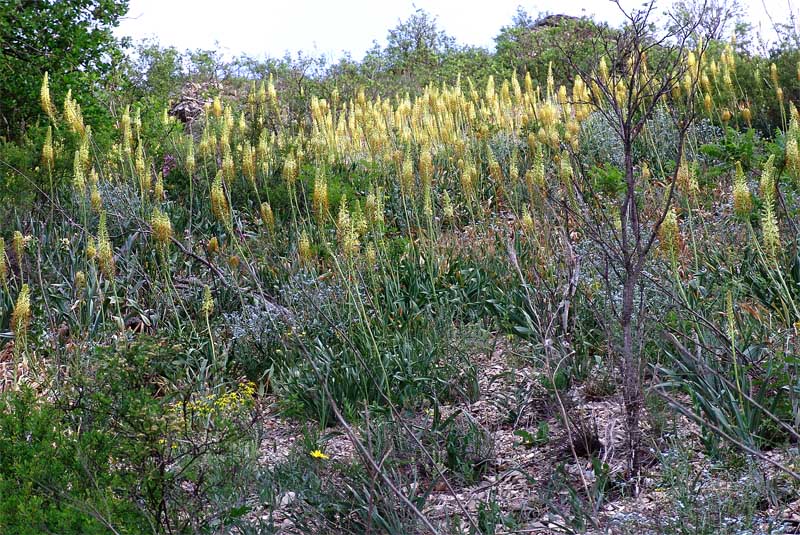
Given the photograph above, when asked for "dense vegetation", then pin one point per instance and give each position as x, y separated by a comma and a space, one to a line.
341, 253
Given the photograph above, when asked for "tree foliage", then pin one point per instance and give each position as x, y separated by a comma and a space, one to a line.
531, 45
70, 39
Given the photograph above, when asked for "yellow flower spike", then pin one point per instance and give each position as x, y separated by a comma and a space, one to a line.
793, 158
565, 169
427, 202
495, 171
669, 234
742, 201
729, 313
21, 315
407, 176
370, 254
162, 227
48, 155
18, 243
79, 282
71, 112
190, 160
95, 199
676, 91
527, 221
44, 95
447, 207
249, 163
562, 95
726, 78
158, 189
242, 124
359, 221
603, 70
3, 264
216, 107
685, 180
125, 128
91, 249
267, 217
371, 207
688, 82
86, 142
691, 60
219, 202
304, 248
317, 454
207, 308
141, 170
771, 237
705, 83
78, 177
319, 200
228, 167
747, 115
289, 171
766, 186
426, 168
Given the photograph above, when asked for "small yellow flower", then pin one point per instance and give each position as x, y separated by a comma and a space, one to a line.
317, 454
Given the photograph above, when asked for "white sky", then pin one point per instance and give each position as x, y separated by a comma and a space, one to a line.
271, 27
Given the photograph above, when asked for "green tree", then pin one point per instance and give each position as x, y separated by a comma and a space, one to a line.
414, 53
70, 39
416, 44
531, 45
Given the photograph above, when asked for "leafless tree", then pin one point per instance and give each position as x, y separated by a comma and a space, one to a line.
643, 69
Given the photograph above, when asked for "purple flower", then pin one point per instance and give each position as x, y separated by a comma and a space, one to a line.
169, 164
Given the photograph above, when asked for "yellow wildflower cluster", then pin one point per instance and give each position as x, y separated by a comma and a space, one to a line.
227, 403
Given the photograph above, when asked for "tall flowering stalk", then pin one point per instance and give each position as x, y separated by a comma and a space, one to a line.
319, 199
742, 201
45, 99
771, 237
219, 201
669, 234
21, 318
105, 252
3, 265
